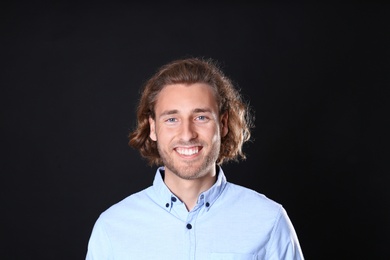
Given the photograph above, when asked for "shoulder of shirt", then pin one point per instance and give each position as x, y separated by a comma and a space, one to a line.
254, 197
128, 203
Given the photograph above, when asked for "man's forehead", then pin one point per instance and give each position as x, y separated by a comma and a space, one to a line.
180, 98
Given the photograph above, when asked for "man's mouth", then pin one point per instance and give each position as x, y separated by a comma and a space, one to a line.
187, 151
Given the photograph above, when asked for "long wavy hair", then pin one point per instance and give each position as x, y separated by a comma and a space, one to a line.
190, 71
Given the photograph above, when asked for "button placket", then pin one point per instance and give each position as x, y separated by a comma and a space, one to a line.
190, 226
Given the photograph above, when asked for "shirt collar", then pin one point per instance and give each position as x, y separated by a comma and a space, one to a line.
207, 198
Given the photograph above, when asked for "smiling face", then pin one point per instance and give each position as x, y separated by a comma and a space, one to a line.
188, 129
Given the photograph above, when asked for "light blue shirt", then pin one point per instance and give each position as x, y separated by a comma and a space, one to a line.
228, 222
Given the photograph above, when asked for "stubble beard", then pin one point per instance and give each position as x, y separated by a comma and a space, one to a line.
191, 170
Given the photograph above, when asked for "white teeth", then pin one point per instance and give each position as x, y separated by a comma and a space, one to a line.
187, 151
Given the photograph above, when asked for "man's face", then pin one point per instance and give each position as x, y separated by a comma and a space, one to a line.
188, 129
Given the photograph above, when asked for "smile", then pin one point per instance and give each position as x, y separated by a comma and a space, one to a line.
187, 151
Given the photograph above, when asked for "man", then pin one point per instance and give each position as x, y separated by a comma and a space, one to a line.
191, 120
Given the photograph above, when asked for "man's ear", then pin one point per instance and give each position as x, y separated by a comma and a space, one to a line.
224, 124
152, 133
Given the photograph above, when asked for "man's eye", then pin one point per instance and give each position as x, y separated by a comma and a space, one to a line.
202, 118
171, 120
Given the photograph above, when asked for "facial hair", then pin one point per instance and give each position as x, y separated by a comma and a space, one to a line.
193, 169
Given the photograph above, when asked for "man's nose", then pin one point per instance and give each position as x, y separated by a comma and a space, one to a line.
188, 131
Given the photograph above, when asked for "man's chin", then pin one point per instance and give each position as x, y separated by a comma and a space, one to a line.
188, 172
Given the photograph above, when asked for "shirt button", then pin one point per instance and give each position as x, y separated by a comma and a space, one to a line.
167, 205
207, 204
189, 226
173, 199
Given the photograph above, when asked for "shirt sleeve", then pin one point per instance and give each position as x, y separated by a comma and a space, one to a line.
99, 244
284, 244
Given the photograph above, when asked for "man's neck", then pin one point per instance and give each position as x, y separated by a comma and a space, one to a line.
188, 190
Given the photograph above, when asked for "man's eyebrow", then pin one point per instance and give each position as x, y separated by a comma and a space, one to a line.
202, 110
169, 112
175, 111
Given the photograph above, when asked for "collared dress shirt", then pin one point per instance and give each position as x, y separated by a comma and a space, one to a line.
228, 222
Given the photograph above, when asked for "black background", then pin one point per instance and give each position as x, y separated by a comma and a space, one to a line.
317, 77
